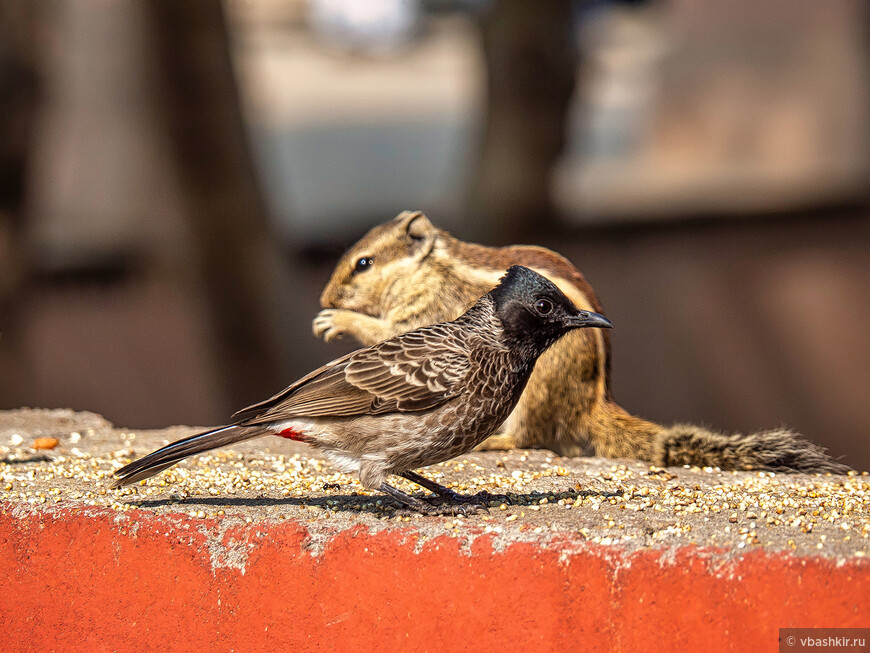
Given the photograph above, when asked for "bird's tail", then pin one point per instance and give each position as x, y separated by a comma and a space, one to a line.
777, 450
159, 460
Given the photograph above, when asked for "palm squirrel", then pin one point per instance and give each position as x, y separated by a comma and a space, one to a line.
407, 273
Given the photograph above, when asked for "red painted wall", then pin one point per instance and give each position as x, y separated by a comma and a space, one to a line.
91, 580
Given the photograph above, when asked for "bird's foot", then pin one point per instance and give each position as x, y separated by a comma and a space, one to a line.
443, 504
444, 495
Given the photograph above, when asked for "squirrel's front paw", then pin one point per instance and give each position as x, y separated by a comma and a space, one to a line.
332, 323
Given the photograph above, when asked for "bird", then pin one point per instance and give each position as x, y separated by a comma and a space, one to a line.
417, 399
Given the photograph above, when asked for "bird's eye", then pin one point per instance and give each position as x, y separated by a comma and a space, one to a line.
544, 306
363, 264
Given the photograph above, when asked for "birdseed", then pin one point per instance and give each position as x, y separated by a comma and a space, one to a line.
626, 503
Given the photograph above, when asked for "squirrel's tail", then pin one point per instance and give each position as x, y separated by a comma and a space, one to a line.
777, 450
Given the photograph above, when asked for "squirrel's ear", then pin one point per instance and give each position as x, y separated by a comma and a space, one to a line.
413, 223
419, 227
419, 231
405, 217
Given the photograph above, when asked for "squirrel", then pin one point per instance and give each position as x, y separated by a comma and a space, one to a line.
406, 273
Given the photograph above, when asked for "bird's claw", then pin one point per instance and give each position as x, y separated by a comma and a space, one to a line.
488, 498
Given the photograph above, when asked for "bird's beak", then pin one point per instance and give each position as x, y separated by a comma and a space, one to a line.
588, 319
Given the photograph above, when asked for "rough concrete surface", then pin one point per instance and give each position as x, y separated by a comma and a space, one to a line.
626, 504
266, 546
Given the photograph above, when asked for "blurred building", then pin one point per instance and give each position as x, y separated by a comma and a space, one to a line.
726, 109
711, 185
382, 111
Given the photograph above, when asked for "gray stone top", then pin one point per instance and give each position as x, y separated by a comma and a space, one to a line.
621, 503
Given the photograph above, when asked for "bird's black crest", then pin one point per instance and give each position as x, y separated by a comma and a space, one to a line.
519, 282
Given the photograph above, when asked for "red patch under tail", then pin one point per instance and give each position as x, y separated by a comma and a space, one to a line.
292, 434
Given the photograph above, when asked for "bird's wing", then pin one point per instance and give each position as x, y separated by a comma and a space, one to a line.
414, 371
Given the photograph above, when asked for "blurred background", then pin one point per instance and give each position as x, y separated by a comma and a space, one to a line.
177, 181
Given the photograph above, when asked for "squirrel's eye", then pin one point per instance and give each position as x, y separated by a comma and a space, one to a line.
544, 306
363, 264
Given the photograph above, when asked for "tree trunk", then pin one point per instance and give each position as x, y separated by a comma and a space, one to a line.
237, 254
531, 65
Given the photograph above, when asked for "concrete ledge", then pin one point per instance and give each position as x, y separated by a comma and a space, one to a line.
182, 569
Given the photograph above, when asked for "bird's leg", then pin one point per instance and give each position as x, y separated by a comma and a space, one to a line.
481, 498
406, 499
432, 486
421, 506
